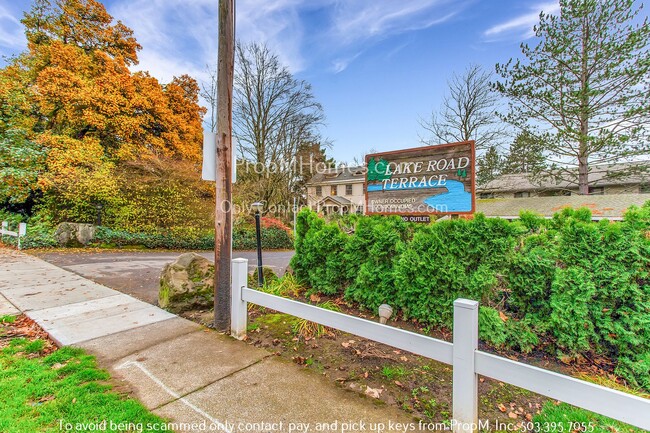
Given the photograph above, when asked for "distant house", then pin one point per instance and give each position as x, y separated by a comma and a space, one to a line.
338, 191
341, 191
600, 179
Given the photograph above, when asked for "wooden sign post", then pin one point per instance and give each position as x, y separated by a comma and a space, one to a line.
223, 208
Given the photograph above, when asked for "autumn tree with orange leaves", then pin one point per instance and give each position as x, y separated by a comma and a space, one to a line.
75, 114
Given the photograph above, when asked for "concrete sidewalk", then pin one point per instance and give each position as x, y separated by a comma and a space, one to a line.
176, 368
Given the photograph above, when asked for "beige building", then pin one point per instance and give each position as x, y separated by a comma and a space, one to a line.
341, 191
600, 177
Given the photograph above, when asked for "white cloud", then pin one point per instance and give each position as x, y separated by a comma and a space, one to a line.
356, 21
11, 30
181, 37
276, 23
178, 37
356, 25
522, 25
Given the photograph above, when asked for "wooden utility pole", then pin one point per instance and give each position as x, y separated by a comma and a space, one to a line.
223, 210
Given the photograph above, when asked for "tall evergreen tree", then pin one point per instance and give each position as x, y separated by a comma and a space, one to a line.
525, 155
584, 88
490, 166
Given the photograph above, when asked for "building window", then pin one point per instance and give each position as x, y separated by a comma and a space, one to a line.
319, 191
348, 189
333, 190
556, 193
644, 188
484, 195
596, 190
522, 194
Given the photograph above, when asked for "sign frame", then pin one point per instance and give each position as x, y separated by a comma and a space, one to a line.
472, 165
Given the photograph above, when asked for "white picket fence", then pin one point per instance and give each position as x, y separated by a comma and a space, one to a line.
22, 231
468, 362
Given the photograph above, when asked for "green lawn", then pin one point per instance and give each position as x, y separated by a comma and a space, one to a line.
62, 391
563, 418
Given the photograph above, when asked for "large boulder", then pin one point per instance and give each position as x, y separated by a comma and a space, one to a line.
187, 284
74, 234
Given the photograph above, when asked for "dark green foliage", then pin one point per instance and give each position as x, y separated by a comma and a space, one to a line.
40, 235
491, 327
567, 285
370, 256
452, 259
571, 293
529, 277
245, 238
190, 239
169, 240
39, 232
586, 285
319, 253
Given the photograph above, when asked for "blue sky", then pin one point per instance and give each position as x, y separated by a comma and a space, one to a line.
376, 66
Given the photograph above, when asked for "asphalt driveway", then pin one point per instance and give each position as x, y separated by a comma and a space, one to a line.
137, 273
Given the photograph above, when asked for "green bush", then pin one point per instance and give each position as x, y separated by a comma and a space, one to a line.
39, 231
566, 285
452, 259
370, 255
191, 239
319, 246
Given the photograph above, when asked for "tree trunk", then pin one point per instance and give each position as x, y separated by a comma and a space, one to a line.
583, 160
583, 175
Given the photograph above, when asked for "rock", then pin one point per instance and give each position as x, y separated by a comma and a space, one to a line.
74, 234
187, 284
267, 273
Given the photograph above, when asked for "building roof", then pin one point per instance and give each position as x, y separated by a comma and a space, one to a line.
339, 175
338, 199
600, 175
602, 206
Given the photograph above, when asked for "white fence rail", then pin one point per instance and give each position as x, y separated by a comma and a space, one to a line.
467, 361
22, 231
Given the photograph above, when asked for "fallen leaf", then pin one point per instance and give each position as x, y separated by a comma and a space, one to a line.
512, 415
345, 344
365, 374
503, 316
403, 358
398, 383
529, 417
502, 407
314, 298
373, 392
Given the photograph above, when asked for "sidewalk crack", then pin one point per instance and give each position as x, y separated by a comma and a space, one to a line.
182, 396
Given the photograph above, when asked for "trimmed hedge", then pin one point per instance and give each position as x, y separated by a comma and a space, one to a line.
272, 238
40, 235
566, 285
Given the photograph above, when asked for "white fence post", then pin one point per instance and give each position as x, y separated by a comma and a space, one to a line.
465, 385
22, 231
238, 307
